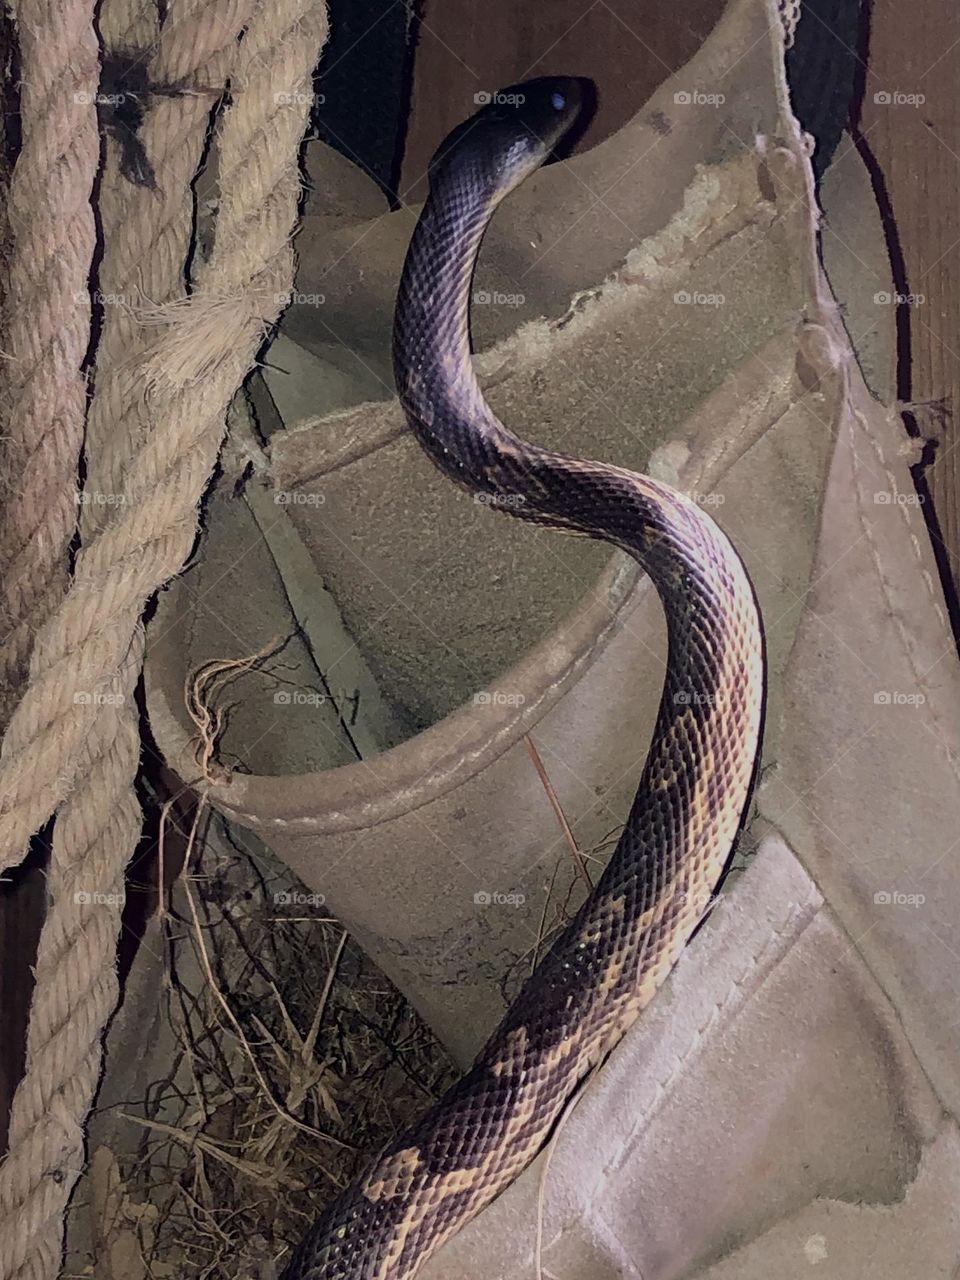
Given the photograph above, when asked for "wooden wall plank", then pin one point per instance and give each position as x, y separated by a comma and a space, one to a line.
910, 124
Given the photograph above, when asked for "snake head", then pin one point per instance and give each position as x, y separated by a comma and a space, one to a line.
511, 135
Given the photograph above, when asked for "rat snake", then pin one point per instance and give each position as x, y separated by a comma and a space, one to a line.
610, 960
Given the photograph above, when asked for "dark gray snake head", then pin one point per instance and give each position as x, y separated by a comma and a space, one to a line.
511, 135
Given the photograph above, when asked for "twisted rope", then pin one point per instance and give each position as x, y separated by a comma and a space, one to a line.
47, 319
148, 233
129, 225
158, 462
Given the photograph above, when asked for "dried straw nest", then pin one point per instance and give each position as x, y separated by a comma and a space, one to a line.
293, 1058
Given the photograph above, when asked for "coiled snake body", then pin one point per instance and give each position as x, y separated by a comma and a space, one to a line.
622, 943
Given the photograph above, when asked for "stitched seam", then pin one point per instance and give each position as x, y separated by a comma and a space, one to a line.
928, 707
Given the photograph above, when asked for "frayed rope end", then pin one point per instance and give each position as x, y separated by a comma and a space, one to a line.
206, 333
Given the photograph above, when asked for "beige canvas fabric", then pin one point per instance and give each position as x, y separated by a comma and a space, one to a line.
788, 1105
707, 351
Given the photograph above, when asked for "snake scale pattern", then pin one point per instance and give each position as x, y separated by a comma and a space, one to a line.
608, 963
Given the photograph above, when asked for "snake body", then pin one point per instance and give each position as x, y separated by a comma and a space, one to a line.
610, 960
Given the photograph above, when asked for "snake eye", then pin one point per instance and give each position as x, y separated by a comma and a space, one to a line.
558, 100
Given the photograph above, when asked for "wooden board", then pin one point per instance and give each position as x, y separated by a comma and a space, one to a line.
910, 124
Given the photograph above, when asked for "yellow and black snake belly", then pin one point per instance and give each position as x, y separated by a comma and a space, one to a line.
692, 793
